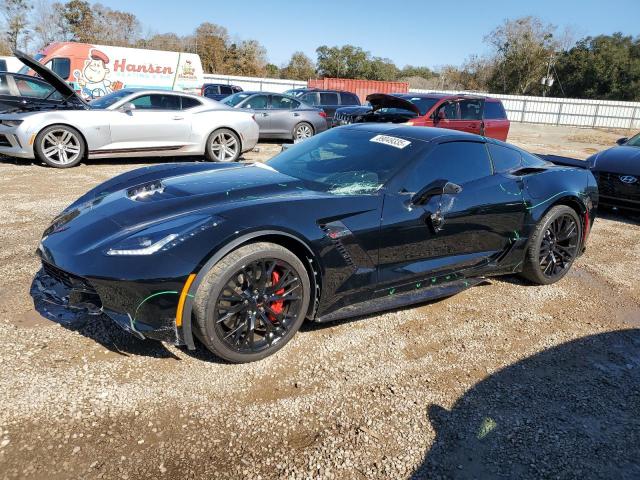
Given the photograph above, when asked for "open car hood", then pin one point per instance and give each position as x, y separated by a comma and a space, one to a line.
50, 76
382, 100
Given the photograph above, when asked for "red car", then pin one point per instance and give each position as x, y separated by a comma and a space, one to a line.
469, 113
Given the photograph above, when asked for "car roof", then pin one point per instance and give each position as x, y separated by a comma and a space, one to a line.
440, 96
425, 134
130, 91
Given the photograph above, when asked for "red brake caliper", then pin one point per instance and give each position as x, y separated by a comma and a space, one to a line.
278, 305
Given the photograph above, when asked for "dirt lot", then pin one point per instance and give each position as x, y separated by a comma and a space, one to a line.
503, 379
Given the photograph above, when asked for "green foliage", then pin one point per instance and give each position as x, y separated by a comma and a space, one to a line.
300, 67
602, 67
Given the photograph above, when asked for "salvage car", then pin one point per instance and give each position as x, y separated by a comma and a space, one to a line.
18, 91
468, 113
328, 100
280, 116
129, 122
356, 220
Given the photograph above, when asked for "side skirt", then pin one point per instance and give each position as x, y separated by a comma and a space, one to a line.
393, 301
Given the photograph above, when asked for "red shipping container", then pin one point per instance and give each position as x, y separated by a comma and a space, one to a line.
362, 88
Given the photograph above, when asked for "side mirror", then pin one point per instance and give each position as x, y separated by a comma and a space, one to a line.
128, 107
435, 188
622, 141
441, 115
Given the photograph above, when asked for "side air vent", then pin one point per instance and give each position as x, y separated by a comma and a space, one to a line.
335, 231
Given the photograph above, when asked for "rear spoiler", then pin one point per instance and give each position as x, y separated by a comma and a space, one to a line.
566, 161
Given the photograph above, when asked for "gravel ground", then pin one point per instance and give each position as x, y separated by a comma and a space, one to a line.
505, 379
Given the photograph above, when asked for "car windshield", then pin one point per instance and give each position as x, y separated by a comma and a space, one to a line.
423, 104
236, 98
347, 162
633, 141
108, 100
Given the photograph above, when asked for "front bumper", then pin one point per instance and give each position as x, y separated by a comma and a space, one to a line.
13, 144
143, 310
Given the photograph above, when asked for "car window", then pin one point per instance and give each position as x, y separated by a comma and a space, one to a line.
281, 102
310, 98
212, 90
450, 110
328, 98
236, 98
33, 88
157, 102
61, 66
494, 111
457, 162
236, 89
3, 65
4, 85
532, 161
423, 104
470, 109
257, 101
225, 90
349, 99
504, 158
188, 102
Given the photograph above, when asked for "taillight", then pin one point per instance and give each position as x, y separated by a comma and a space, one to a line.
322, 114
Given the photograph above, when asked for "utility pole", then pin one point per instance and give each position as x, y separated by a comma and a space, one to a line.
547, 81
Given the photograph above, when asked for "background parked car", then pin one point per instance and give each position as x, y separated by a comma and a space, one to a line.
474, 114
327, 100
218, 91
280, 115
129, 122
10, 64
17, 90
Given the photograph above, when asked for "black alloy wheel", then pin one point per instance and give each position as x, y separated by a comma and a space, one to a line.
252, 302
554, 246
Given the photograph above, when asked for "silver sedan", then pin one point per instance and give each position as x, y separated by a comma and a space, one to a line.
128, 122
280, 116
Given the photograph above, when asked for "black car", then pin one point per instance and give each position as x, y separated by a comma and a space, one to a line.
218, 91
327, 100
27, 92
355, 220
617, 171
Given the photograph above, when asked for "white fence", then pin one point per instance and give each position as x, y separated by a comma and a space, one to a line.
549, 110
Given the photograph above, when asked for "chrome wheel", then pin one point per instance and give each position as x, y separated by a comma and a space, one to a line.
303, 131
61, 147
224, 146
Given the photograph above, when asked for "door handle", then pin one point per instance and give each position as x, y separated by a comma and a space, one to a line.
265, 114
178, 117
296, 114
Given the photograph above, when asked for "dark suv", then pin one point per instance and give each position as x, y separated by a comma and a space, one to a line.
327, 100
218, 91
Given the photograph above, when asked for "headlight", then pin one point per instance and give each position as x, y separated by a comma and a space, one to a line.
164, 236
11, 123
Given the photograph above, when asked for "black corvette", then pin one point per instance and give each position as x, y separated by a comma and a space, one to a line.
359, 219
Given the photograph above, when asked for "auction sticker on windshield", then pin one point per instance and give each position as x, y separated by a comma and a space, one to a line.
391, 141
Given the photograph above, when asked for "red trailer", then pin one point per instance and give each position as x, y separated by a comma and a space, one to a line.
362, 88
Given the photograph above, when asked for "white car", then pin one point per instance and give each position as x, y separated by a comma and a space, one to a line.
128, 122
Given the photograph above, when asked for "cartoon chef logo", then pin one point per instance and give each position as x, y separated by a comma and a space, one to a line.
93, 79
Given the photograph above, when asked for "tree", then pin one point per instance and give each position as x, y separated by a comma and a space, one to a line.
523, 48
77, 21
114, 27
46, 24
272, 71
211, 44
300, 67
5, 49
247, 58
349, 61
603, 67
15, 14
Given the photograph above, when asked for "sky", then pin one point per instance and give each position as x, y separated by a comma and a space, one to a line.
431, 33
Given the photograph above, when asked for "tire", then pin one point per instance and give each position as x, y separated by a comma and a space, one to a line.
302, 130
551, 250
223, 145
60, 146
226, 304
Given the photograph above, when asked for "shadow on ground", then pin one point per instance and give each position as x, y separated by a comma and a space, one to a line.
568, 412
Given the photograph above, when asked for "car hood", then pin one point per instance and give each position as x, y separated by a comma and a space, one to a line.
622, 159
108, 215
382, 100
50, 76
